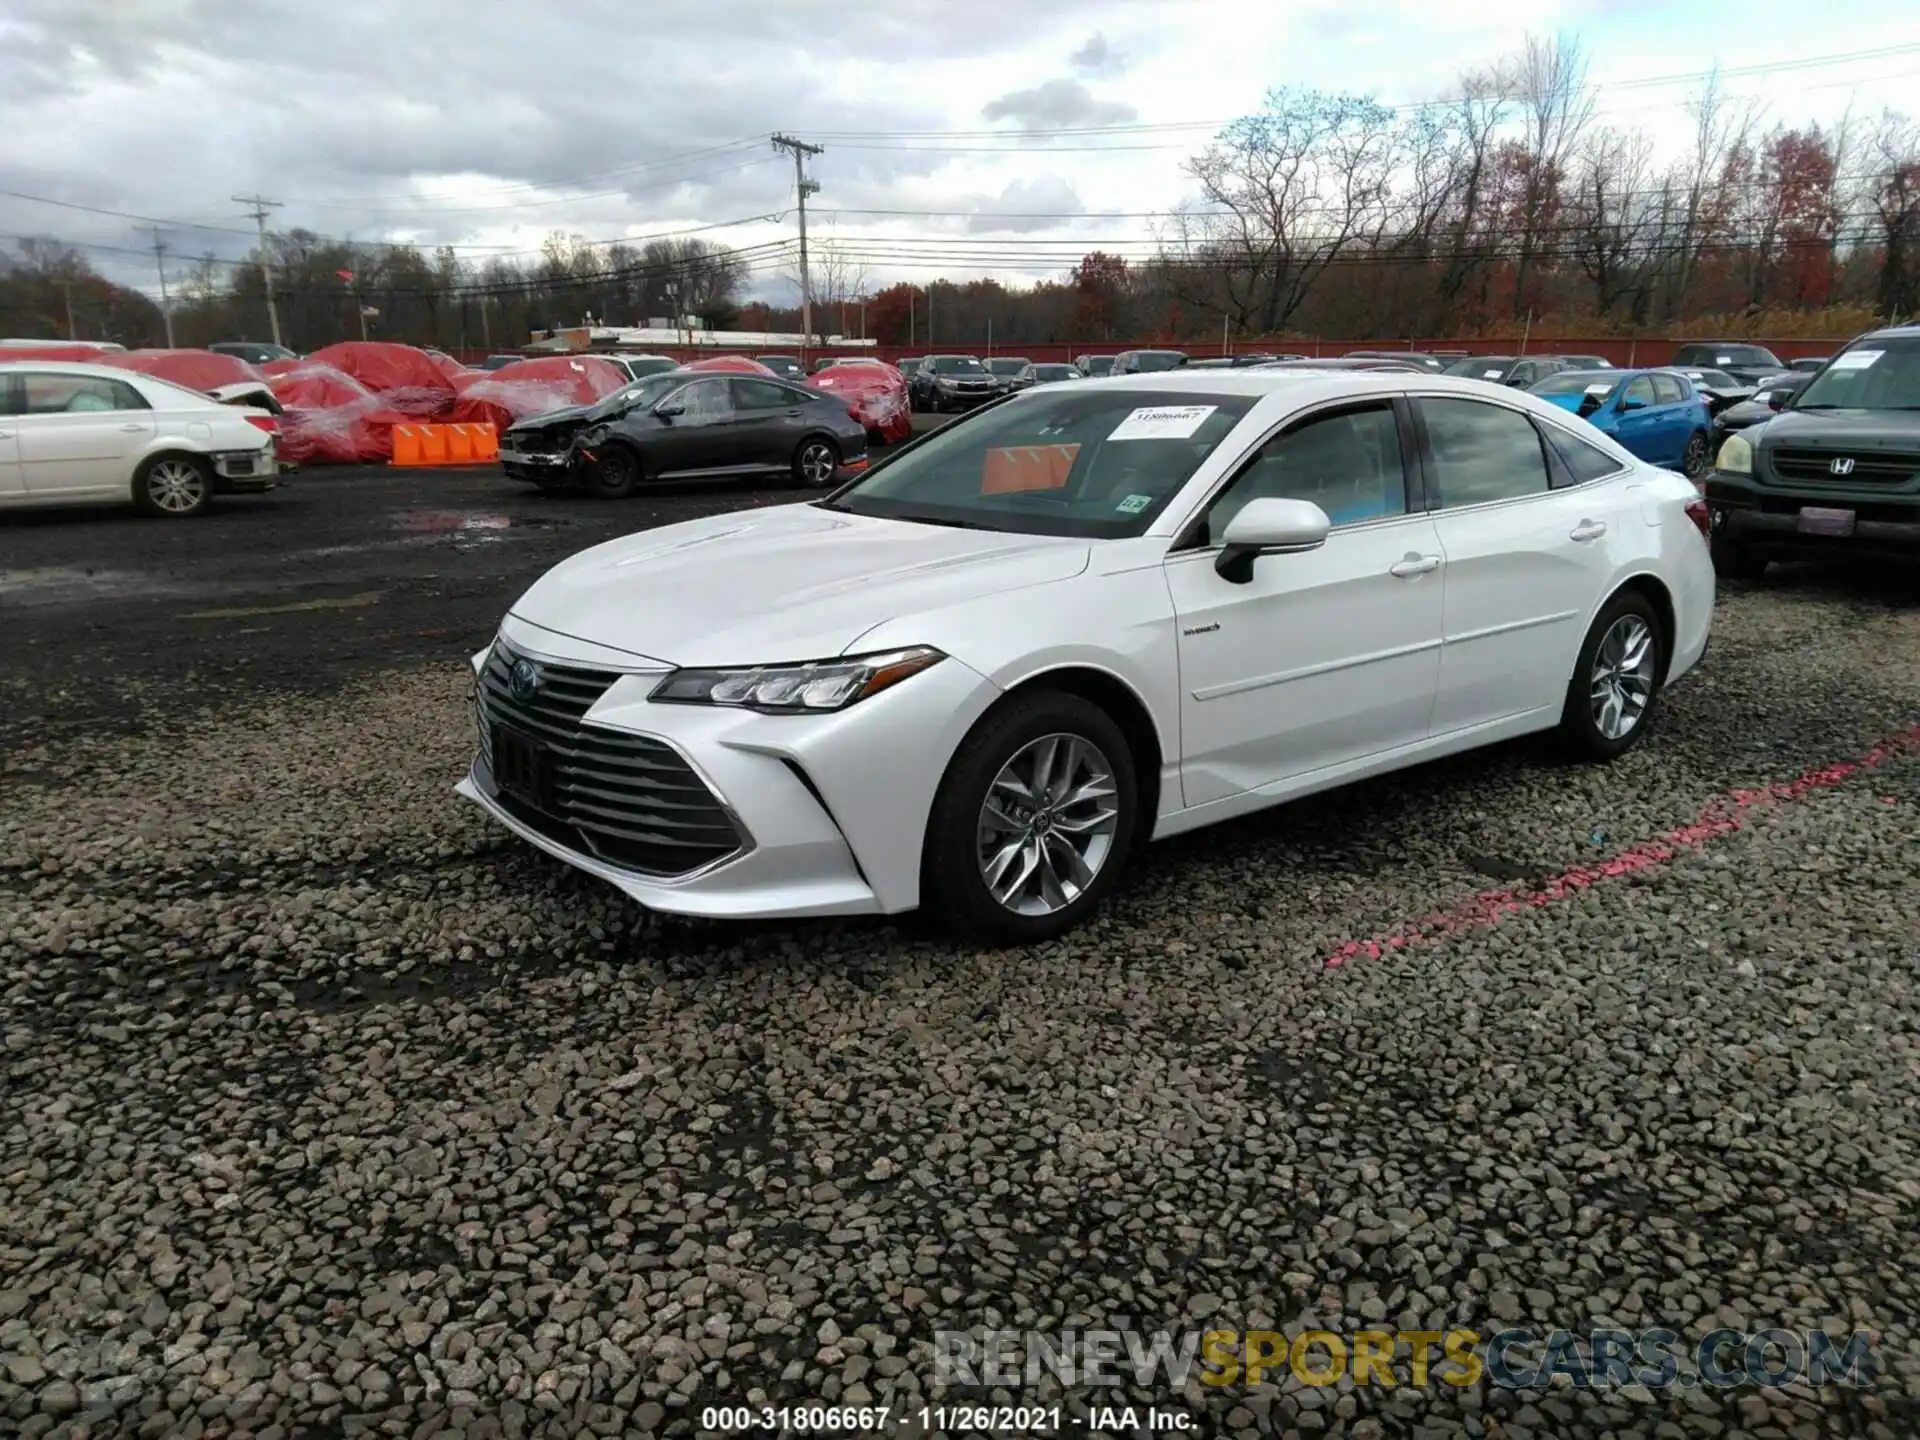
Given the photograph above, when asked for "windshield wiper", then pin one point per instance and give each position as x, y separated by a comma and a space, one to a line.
937, 520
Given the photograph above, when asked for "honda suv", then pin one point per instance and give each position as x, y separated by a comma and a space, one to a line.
1836, 471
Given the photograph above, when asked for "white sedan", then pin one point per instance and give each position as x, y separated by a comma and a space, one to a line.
73, 434
1088, 616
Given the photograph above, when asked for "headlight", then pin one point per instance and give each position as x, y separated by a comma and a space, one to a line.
813, 686
1736, 456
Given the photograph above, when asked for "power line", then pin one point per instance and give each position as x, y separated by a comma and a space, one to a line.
261, 206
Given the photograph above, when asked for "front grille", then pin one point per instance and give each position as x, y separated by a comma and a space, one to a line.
1815, 467
630, 800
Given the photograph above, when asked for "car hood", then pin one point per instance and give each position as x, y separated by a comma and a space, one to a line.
1854, 430
562, 421
791, 582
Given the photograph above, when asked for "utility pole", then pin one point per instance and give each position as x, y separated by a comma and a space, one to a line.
160, 264
260, 206
800, 151
66, 289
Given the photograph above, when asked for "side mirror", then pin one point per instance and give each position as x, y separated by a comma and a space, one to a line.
1269, 527
1776, 399
1629, 403
667, 409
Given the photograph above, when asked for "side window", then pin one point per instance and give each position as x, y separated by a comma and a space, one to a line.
1668, 390
1348, 464
1690, 355
1639, 390
762, 395
1583, 461
1482, 453
77, 394
703, 402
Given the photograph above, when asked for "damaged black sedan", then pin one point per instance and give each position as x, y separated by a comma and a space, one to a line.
688, 425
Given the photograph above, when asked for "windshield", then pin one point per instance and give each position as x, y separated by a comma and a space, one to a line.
650, 391
958, 365
1149, 360
1712, 378
1480, 366
1091, 461
1006, 367
1574, 382
1097, 364
1053, 372
1875, 375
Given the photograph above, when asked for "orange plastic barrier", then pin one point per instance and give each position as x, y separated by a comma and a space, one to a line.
425, 445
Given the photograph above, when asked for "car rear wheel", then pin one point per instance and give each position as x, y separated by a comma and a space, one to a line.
1699, 456
174, 486
614, 473
816, 461
1616, 681
1033, 820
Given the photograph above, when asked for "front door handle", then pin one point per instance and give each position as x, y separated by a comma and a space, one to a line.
6, 434
1589, 530
1415, 565
133, 427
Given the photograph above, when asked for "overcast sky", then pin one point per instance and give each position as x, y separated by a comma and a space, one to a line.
488, 123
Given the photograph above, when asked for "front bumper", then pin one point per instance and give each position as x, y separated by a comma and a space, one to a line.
832, 809
1767, 517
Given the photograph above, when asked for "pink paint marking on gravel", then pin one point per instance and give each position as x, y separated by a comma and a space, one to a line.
1722, 815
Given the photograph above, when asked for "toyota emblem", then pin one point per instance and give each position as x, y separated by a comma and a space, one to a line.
523, 680
1842, 466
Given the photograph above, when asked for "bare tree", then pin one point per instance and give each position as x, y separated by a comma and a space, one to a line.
1611, 221
1707, 184
1551, 87
1895, 154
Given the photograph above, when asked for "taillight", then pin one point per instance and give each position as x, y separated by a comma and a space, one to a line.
268, 423
1702, 520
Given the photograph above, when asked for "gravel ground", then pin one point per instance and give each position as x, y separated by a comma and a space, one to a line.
330, 1109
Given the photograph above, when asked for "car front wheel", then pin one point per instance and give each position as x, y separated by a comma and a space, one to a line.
1616, 681
174, 486
613, 473
1033, 820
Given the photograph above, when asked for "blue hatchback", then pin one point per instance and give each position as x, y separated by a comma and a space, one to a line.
1656, 414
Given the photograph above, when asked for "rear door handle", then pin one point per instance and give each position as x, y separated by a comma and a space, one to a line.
1415, 565
1589, 530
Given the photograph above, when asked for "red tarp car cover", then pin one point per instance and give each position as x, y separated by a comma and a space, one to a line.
876, 396
331, 418
405, 378
195, 369
533, 387
734, 364
54, 350
449, 367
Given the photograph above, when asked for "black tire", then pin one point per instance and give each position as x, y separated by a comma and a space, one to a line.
174, 486
952, 886
1699, 456
816, 460
1734, 559
1581, 732
613, 474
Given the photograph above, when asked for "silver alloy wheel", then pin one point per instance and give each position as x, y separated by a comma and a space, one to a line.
1622, 677
1047, 825
176, 486
817, 462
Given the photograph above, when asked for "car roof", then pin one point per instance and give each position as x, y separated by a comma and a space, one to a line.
81, 367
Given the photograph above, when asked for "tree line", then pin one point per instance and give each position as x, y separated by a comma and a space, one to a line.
1329, 215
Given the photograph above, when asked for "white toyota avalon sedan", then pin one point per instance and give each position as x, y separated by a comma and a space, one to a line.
1085, 617
76, 434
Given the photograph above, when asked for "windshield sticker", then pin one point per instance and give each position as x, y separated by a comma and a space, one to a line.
1855, 359
1162, 422
1723, 359
1489, 374
1134, 504
1013, 469
1599, 389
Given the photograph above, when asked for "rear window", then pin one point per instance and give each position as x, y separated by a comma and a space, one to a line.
1576, 382
1480, 367
1147, 361
1006, 367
